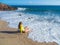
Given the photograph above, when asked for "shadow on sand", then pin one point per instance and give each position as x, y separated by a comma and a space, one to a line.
10, 32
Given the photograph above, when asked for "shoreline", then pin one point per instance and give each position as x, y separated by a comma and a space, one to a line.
7, 38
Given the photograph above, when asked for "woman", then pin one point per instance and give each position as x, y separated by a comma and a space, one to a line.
22, 29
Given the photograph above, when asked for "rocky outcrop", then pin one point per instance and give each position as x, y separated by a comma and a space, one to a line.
6, 7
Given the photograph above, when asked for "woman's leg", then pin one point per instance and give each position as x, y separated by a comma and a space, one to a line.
26, 29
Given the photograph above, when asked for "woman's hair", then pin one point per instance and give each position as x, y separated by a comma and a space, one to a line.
19, 24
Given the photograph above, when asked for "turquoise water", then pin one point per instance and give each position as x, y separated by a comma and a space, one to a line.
39, 9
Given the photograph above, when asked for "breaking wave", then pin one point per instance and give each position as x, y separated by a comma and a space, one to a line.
21, 9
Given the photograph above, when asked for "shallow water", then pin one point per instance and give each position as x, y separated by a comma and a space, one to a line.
45, 28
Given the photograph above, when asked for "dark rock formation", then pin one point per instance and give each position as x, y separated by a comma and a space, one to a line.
4, 7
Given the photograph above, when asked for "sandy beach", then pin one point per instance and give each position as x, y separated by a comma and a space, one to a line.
10, 36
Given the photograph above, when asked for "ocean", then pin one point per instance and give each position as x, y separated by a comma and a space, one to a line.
44, 21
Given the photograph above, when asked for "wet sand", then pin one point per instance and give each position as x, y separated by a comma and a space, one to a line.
10, 36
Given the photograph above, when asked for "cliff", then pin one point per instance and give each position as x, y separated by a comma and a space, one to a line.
4, 7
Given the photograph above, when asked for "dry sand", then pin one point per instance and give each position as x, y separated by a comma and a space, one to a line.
9, 36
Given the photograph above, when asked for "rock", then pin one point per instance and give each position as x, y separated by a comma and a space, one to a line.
30, 17
4, 7
20, 15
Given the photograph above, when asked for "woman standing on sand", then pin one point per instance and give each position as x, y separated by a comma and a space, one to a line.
22, 29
